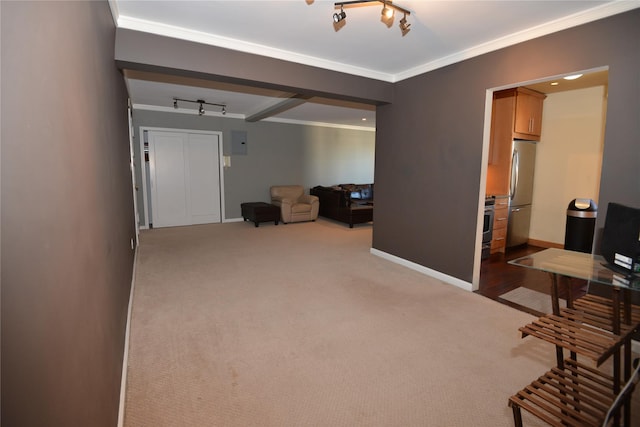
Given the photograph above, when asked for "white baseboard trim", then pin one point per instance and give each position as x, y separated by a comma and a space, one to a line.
125, 357
233, 220
424, 270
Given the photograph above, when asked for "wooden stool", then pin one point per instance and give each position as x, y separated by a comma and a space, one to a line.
572, 332
577, 396
600, 310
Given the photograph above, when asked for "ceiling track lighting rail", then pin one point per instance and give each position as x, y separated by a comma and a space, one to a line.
388, 9
202, 103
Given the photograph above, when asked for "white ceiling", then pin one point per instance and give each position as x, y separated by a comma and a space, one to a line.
441, 33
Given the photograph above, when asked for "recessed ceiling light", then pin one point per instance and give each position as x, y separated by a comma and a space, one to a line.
573, 77
364, 119
554, 83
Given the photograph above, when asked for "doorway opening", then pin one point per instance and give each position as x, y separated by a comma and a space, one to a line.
568, 163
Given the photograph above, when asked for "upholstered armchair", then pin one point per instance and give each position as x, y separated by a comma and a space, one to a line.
295, 206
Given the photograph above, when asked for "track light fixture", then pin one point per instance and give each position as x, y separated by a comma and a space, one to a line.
387, 12
388, 9
404, 26
339, 16
202, 103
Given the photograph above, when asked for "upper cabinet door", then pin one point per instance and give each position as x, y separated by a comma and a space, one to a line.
528, 114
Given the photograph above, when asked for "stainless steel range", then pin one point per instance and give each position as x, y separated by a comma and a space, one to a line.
487, 227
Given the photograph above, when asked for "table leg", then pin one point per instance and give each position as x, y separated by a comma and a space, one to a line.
626, 319
568, 287
555, 304
615, 314
616, 383
627, 375
559, 357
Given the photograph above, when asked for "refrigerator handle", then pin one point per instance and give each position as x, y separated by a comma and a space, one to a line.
515, 167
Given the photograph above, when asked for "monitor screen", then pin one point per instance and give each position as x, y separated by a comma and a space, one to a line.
621, 238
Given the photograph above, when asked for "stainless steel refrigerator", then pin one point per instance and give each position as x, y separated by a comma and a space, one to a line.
520, 191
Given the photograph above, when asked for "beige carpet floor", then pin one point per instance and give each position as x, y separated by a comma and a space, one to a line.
299, 325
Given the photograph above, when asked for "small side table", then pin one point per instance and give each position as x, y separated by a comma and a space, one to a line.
260, 212
596, 333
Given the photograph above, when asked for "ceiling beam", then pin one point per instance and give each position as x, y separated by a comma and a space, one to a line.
278, 108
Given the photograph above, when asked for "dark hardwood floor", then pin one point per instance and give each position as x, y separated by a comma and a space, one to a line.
497, 278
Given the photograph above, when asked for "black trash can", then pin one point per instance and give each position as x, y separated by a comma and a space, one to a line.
581, 223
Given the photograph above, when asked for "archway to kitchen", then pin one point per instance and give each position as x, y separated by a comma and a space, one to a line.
567, 166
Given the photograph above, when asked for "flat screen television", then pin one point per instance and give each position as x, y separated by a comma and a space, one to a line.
620, 245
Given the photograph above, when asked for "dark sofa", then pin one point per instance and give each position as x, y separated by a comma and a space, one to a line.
348, 203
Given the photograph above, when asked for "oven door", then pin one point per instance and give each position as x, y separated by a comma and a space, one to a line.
487, 228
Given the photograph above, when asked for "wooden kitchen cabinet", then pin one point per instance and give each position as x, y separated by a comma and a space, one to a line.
500, 221
516, 114
528, 114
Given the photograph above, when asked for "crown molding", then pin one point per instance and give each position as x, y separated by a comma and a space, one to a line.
242, 46
590, 15
115, 11
593, 14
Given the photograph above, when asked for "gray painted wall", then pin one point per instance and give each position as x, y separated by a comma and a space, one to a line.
67, 215
277, 153
429, 142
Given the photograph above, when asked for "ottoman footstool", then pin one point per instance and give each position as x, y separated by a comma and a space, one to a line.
260, 212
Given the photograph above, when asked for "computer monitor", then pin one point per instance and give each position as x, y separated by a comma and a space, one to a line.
620, 245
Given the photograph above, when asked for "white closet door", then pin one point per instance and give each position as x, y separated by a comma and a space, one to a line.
168, 195
203, 178
185, 178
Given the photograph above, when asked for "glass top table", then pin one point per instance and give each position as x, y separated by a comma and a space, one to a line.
577, 265
570, 264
